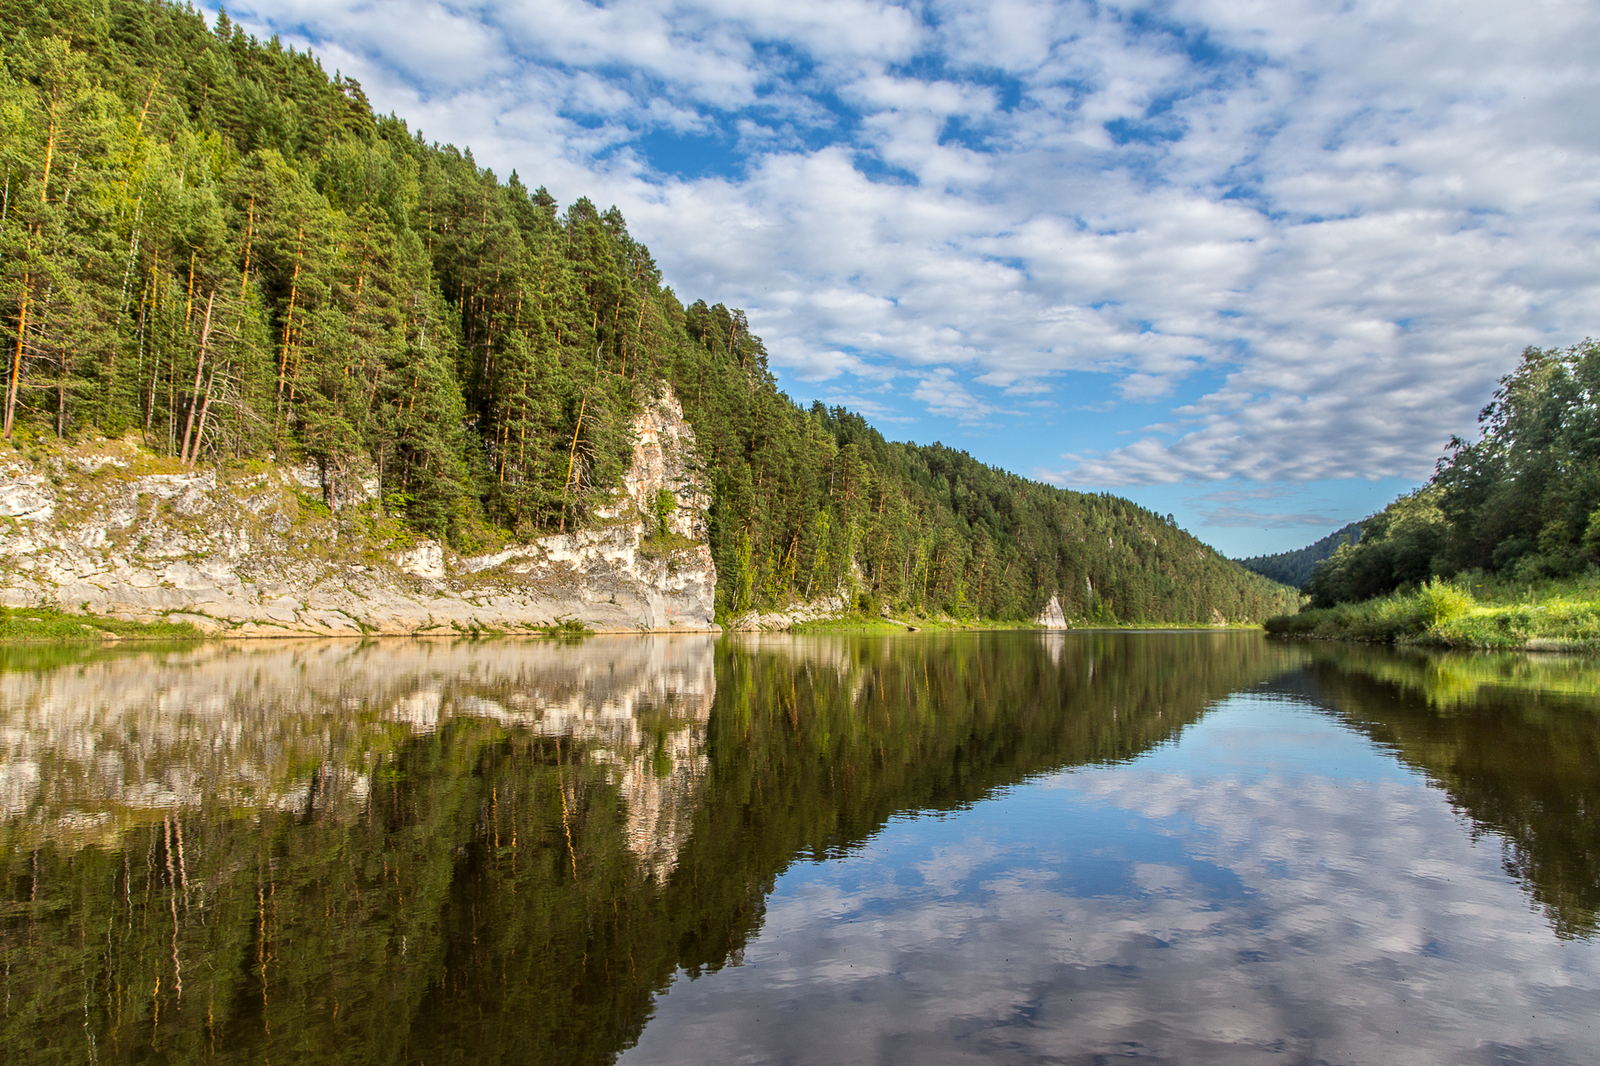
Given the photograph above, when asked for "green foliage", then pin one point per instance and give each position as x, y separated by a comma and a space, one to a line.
853, 623
207, 239
1521, 502
1294, 568
29, 624
662, 509
1401, 547
1441, 601
566, 628
817, 502
1549, 615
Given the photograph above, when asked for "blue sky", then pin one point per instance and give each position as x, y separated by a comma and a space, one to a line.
1249, 263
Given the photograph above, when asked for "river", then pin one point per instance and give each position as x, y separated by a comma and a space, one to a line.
1184, 847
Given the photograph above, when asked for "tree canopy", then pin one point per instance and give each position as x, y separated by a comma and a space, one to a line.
1522, 501
1296, 567
208, 241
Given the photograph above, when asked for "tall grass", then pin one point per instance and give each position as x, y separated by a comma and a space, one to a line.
1466, 613
30, 624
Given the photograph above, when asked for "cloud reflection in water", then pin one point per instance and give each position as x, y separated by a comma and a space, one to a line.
1271, 887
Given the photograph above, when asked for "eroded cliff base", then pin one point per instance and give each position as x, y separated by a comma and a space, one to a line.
276, 549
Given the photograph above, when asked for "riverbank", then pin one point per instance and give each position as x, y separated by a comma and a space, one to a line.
1473, 612
33, 625
36, 625
105, 528
860, 623
863, 624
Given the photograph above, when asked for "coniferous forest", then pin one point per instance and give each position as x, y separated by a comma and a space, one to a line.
1296, 567
211, 243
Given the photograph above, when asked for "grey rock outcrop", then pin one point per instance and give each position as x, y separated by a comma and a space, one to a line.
1052, 617
277, 549
787, 617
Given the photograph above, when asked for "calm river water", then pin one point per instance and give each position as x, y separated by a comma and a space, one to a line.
1006, 848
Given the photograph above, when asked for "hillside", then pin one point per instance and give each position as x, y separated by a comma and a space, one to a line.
1501, 548
212, 244
1294, 568
1518, 506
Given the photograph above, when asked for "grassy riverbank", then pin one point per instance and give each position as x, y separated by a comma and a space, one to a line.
863, 623
1472, 612
33, 625
860, 623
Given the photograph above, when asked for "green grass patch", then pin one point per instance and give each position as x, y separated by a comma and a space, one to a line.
475, 631
850, 623
28, 624
564, 628
863, 623
664, 544
1484, 614
1140, 626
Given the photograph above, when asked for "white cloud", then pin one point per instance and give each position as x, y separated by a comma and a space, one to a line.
1349, 218
1270, 888
1244, 517
943, 395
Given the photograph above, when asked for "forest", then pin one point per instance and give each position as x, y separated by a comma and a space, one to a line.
1296, 567
210, 243
1520, 505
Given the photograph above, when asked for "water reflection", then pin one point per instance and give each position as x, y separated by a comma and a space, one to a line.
1515, 742
1160, 911
1271, 887
1190, 846
93, 748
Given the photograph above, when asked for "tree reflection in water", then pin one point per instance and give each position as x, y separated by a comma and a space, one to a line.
417, 850
1514, 740
501, 851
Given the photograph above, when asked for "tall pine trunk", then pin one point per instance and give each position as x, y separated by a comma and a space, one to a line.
16, 360
194, 399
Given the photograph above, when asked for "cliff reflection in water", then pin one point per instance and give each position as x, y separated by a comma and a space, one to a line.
91, 750
491, 850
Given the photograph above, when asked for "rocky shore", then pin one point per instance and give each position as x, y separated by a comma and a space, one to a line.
278, 549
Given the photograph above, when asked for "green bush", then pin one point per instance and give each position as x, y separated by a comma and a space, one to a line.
1441, 601
1445, 614
663, 507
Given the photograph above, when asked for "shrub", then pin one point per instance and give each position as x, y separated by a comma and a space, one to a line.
1441, 601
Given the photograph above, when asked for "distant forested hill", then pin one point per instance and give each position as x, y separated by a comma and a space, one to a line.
1295, 568
209, 242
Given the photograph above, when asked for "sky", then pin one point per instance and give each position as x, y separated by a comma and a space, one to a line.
1249, 263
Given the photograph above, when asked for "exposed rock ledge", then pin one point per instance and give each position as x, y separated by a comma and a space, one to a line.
777, 621
259, 552
1052, 617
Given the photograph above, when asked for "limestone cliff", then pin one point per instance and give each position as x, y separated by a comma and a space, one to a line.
269, 549
1052, 617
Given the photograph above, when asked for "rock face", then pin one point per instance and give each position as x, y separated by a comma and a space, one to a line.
788, 617
278, 550
1052, 617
